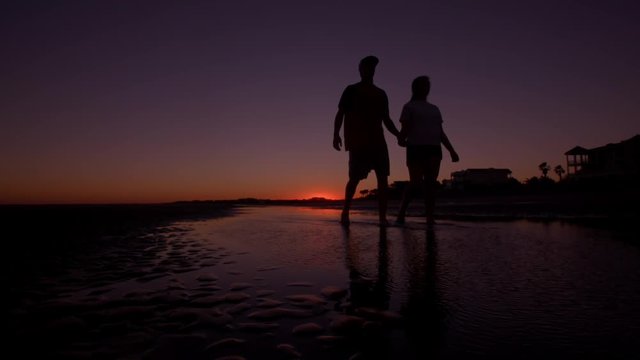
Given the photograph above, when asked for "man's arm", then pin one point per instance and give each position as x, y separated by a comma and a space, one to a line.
337, 141
386, 119
388, 123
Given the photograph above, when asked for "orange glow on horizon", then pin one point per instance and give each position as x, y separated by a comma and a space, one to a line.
321, 194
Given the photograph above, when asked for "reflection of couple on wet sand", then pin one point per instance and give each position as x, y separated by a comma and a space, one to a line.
364, 108
372, 283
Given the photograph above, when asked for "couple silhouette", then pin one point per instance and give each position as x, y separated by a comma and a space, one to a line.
363, 108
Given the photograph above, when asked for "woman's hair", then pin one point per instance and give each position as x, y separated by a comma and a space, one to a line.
420, 88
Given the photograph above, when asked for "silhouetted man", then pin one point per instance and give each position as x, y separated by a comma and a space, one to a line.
364, 108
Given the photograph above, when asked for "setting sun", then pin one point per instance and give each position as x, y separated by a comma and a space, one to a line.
321, 194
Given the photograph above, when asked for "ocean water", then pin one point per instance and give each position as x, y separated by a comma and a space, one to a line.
516, 289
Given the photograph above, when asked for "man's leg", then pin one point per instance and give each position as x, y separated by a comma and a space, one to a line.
382, 197
349, 192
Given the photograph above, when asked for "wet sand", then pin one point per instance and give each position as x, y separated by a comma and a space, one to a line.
161, 292
289, 282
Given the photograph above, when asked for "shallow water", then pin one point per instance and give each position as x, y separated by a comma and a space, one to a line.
483, 289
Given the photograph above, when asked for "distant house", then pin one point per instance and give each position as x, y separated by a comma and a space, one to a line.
612, 160
479, 178
577, 158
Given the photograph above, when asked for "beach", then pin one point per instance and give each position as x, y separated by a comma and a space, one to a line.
263, 282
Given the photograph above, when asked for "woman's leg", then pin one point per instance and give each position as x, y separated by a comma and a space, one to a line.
416, 173
432, 169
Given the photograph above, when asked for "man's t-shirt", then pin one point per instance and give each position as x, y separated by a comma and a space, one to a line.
365, 106
423, 123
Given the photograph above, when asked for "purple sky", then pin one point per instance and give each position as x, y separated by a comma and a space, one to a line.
128, 101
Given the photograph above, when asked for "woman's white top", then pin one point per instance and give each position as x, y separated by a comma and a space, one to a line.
422, 122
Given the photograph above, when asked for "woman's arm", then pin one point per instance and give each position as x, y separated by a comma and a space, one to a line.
447, 144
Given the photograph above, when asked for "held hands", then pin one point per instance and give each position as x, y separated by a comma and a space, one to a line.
402, 142
337, 142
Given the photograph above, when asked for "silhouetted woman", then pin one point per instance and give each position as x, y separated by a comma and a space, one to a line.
422, 133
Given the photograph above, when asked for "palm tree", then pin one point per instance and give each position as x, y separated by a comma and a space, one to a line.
559, 170
544, 168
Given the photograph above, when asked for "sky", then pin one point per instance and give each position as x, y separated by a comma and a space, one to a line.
153, 101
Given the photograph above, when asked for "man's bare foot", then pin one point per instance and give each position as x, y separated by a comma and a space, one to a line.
344, 218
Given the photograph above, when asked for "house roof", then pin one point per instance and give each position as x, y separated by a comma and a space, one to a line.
578, 150
634, 140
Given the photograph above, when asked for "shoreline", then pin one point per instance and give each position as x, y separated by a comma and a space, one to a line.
70, 224
602, 209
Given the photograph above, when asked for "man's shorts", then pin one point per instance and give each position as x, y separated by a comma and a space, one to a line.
361, 161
